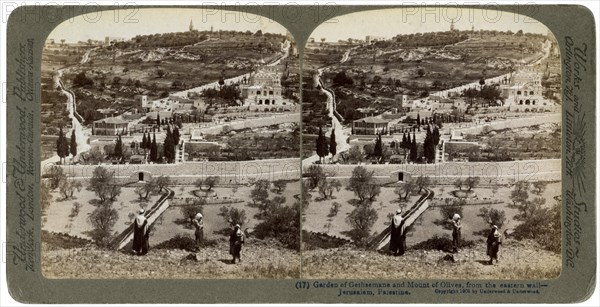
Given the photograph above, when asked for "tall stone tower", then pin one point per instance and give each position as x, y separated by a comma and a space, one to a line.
191, 25
452, 25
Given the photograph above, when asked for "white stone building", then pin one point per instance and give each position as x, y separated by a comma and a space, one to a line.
263, 88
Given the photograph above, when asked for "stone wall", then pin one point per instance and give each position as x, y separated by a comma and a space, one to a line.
448, 172
253, 123
188, 172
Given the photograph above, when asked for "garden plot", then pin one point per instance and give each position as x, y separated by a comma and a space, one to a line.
317, 219
58, 217
431, 224
172, 223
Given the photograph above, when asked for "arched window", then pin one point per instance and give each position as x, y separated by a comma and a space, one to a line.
270, 92
267, 102
257, 92
527, 102
530, 92
260, 101
518, 92
520, 101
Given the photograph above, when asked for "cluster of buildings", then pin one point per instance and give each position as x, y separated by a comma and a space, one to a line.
520, 91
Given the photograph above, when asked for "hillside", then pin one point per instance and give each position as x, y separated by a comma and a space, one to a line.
518, 260
260, 259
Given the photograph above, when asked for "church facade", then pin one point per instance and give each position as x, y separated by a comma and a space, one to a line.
263, 87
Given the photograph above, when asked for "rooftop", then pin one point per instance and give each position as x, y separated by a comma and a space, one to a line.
112, 120
372, 120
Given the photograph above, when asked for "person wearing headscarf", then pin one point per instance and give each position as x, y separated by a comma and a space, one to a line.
140, 234
456, 232
236, 240
198, 223
494, 240
397, 235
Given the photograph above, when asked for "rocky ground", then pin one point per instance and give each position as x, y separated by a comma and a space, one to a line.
259, 260
518, 260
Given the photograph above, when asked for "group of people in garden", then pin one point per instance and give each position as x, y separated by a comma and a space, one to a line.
140, 236
397, 243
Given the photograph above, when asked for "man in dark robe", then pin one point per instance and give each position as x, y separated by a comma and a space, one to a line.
140, 234
397, 235
236, 239
494, 240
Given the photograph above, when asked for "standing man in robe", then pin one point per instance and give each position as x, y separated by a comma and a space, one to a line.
198, 223
236, 239
397, 235
494, 240
456, 232
140, 234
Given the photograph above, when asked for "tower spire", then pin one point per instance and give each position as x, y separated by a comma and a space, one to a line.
191, 25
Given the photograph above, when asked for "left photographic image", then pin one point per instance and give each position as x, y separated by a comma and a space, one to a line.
170, 147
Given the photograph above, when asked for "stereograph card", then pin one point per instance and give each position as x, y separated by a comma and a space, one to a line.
301, 154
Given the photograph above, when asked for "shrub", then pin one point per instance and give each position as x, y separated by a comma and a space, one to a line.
362, 219
315, 174
184, 242
281, 222
447, 211
543, 225
441, 244
102, 219
493, 216
233, 215
190, 209
75, 209
334, 210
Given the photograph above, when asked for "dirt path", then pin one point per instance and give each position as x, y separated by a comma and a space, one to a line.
81, 134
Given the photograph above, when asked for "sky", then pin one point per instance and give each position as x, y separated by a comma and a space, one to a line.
388, 23
128, 23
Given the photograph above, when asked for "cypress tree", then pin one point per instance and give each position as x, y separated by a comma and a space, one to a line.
73, 147
378, 150
419, 121
153, 149
413, 151
65, 147
168, 147
322, 148
436, 136
59, 146
176, 135
143, 145
118, 152
332, 144
404, 143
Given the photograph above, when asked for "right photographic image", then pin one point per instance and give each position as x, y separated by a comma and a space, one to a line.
431, 147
